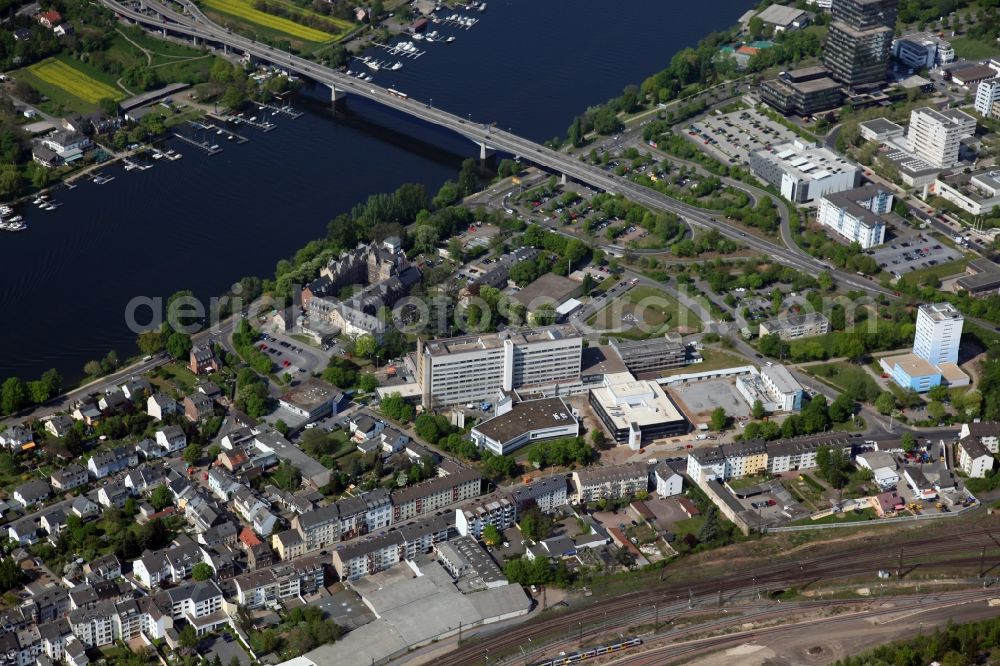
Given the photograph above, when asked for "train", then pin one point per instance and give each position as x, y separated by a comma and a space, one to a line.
591, 653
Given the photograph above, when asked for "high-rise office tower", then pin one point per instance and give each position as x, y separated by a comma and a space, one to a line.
859, 40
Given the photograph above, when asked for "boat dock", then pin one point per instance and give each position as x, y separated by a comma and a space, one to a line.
285, 110
457, 21
262, 125
229, 134
201, 145
405, 49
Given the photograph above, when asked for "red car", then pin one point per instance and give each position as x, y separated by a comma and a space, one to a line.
263, 347
285, 363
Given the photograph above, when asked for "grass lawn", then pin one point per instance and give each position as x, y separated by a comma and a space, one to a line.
942, 271
180, 376
811, 497
747, 481
70, 84
973, 49
258, 22
842, 375
714, 360
688, 526
852, 516
657, 311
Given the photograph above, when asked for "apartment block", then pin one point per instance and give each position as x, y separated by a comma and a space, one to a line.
369, 555
429, 496
934, 136
473, 518
475, 368
796, 326
857, 216
595, 483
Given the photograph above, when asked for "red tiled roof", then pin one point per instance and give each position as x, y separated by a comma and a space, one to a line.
248, 538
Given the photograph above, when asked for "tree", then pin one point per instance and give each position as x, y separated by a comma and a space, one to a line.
885, 403
909, 442
151, 342
535, 525
598, 438
710, 529
718, 419
202, 571
757, 411
192, 454
756, 27
491, 535
179, 345
188, 637
365, 346
367, 382
161, 498
13, 395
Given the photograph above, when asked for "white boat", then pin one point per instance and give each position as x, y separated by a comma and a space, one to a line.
349, 73
49, 207
450, 40
418, 37
482, 6
373, 65
157, 156
15, 219
369, 78
397, 65
6, 210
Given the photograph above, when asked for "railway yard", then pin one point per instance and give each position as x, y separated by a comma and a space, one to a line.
871, 581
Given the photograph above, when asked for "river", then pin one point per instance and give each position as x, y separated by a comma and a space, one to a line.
202, 222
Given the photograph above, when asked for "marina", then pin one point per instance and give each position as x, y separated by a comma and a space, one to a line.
456, 21
285, 110
202, 145
405, 49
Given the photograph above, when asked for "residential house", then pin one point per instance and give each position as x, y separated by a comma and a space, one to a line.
223, 484
283, 581
149, 449
88, 412
202, 360
364, 427
70, 146
198, 406
52, 521
23, 531
289, 544
113, 401
159, 405
474, 517
50, 19
223, 534
136, 388
32, 493
548, 494
17, 438
69, 477
200, 603
59, 425
105, 567
433, 494
144, 479
668, 481
83, 508
113, 494
104, 463
973, 457
171, 439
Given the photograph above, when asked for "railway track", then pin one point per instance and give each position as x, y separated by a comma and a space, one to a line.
631, 608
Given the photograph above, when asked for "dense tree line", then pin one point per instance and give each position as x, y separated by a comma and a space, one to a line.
16, 394
955, 645
561, 452
816, 417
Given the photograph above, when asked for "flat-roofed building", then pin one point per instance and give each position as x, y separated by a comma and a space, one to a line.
796, 326
473, 368
634, 411
802, 92
803, 171
879, 130
651, 355
977, 192
525, 422
987, 95
922, 50
858, 216
548, 291
934, 136
312, 399
969, 77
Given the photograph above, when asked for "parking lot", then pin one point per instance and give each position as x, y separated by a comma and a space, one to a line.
226, 647
907, 254
291, 355
733, 136
698, 399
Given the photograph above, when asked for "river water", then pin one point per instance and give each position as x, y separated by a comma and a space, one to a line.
202, 222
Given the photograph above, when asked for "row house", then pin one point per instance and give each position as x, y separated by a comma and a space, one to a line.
288, 544
596, 483
288, 580
369, 555
69, 477
319, 528
202, 512
144, 479
148, 449
255, 511
106, 463
365, 513
47, 605
294, 502
223, 534
136, 388
222, 483
433, 494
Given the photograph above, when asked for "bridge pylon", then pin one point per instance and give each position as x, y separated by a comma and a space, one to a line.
336, 95
486, 151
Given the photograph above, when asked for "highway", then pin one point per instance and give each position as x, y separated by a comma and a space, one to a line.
196, 25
